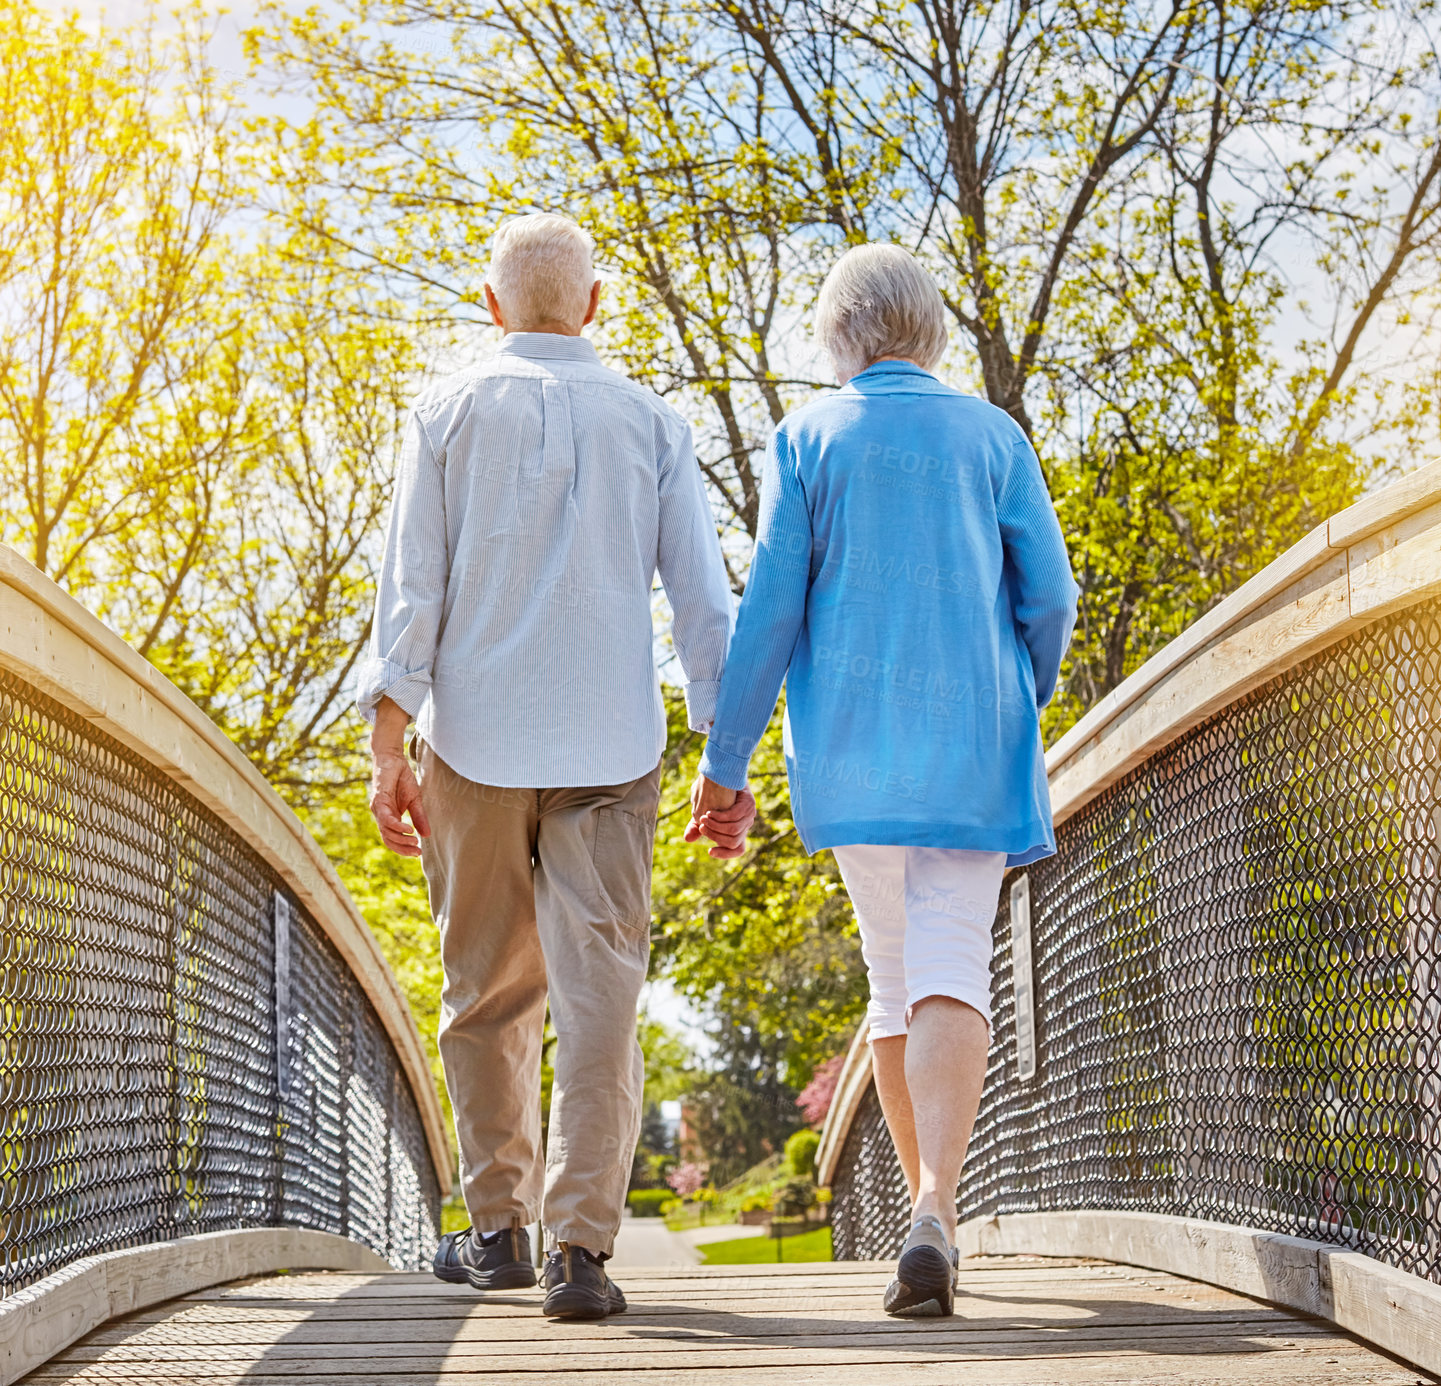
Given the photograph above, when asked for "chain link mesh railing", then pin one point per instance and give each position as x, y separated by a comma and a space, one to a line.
182, 1049
1236, 963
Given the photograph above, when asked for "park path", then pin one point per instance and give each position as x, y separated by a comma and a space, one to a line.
648, 1242
1023, 1321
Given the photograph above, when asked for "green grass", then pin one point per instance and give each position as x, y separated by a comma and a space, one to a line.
753, 1251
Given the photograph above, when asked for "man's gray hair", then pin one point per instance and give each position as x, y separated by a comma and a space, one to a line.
540, 271
877, 301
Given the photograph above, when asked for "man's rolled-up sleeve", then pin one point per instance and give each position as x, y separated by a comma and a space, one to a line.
693, 571
410, 592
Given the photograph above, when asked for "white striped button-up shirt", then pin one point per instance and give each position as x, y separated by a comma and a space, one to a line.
537, 496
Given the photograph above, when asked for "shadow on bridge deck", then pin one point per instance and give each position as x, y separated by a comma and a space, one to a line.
1021, 1320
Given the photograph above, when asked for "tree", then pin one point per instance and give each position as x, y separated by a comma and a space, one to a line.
1108, 191
739, 1116
1198, 452
768, 942
113, 196
801, 1151
199, 410
279, 578
209, 330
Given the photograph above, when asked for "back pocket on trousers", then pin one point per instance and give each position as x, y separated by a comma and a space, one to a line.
622, 853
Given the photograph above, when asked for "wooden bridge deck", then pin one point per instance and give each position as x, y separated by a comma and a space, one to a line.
1021, 1320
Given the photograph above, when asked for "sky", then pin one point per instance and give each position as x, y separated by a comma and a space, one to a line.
1403, 351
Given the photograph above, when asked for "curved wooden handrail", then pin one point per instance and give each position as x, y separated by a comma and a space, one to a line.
54, 644
1382, 553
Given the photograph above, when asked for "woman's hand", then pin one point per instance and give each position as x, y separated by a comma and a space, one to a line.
723, 815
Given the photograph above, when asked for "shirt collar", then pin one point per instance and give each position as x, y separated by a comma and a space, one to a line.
892, 368
548, 346
891, 377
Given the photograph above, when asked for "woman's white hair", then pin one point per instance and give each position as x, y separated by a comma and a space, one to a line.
876, 302
540, 271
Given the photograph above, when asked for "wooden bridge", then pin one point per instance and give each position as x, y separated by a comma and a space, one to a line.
1218, 1008
1020, 1320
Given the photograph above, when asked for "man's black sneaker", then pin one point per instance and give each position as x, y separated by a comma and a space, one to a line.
577, 1287
500, 1261
925, 1283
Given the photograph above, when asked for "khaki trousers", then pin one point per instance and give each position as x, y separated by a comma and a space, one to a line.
540, 890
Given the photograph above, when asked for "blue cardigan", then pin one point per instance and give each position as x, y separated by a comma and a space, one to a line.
911, 585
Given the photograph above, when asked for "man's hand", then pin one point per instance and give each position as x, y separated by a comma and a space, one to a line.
393, 789
722, 815
394, 793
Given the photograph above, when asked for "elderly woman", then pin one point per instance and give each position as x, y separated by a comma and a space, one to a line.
911, 586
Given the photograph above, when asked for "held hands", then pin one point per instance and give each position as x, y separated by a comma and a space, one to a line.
722, 815
394, 793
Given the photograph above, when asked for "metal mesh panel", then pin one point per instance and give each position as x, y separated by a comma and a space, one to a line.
140, 1097
1237, 971
312, 1128
870, 1207
367, 1101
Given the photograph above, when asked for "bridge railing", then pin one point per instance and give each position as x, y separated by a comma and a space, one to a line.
197, 1031
1221, 999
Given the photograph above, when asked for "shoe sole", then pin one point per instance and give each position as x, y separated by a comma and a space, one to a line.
452, 1275
577, 1302
923, 1287
517, 1275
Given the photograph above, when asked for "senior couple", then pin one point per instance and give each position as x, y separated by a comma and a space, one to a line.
910, 585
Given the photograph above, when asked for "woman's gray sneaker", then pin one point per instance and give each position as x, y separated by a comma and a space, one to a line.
577, 1287
925, 1283
500, 1261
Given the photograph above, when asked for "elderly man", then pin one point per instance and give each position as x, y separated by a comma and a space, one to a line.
537, 496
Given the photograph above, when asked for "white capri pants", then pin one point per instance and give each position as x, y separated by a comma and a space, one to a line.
925, 915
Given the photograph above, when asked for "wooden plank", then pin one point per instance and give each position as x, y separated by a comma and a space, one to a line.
296, 1289
935, 1335
1198, 1363
738, 1359
1392, 503
1397, 567
1026, 1324
779, 1322
46, 1317
1033, 1299
1400, 1313
1103, 1301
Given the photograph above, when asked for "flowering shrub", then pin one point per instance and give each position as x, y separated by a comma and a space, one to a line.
817, 1095
686, 1179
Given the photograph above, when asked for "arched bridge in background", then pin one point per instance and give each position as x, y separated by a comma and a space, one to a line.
1209, 1150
